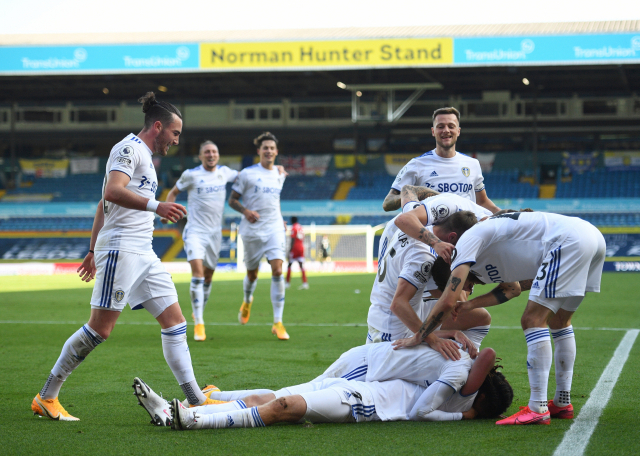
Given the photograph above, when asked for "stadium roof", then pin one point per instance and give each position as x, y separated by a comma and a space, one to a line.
552, 28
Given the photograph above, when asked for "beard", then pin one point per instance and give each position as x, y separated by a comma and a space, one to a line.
447, 147
160, 148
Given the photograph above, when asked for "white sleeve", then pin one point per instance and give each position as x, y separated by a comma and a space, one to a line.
406, 176
466, 250
478, 185
439, 209
239, 184
185, 181
426, 407
417, 267
232, 174
125, 159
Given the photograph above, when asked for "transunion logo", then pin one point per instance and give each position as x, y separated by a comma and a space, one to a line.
527, 46
156, 61
609, 52
54, 63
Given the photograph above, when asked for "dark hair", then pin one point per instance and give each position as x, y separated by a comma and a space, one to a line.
447, 110
294, 220
266, 136
155, 110
497, 392
440, 272
459, 222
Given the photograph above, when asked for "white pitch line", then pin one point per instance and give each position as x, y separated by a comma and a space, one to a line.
577, 437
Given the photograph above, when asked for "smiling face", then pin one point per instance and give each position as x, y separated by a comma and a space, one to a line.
446, 130
168, 135
209, 156
268, 151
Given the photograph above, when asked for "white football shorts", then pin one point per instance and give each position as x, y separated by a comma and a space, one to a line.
255, 248
133, 278
334, 400
570, 269
203, 246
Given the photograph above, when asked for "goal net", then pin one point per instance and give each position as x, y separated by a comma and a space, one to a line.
331, 248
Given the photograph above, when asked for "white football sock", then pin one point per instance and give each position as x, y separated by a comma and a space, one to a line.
277, 297
197, 299
176, 353
239, 418
74, 351
219, 408
538, 366
206, 289
249, 288
564, 342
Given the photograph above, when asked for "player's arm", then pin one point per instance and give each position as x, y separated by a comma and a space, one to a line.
441, 310
483, 200
426, 407
392, 201
116, 192
401, 305
171, 198
499, 295
87, 270
415, 193
413, 223
234, 203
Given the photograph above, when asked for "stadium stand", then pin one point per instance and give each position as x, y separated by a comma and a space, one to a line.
371, 185
310, 187
77, 188
506, 184
601, 184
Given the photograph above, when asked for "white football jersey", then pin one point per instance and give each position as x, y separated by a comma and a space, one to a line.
399, 257
511, 247
125, 229
207, 194
460, 174
441, 207
260, 190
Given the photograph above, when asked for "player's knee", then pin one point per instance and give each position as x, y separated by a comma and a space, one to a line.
280, 405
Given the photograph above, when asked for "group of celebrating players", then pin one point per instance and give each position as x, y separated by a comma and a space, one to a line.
422, 357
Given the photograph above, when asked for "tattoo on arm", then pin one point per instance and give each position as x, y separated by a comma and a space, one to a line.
499, 294
417, 193
392, 201
454, 281
427, 237
234, 203
427, 329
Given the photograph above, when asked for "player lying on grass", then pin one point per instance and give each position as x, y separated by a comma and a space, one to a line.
565, 255
448, 390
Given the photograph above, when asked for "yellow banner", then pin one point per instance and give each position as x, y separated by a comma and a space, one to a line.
334, 54
45, 167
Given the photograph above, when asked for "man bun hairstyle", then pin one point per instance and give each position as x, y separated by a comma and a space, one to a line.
266, 136
498, 394
447, 110
155, 110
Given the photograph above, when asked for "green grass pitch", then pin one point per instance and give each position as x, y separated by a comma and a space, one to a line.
37, 314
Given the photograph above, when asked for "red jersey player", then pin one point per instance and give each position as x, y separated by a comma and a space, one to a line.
296, 253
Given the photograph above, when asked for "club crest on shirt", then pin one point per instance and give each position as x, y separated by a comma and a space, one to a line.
118, 295
466, 171
126, 151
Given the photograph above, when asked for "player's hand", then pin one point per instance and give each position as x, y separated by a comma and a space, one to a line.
444, 249
466, 344
446, 347
406, 343
469, 414
251, 216
171, 211
87, 270
281, 170
460, 307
